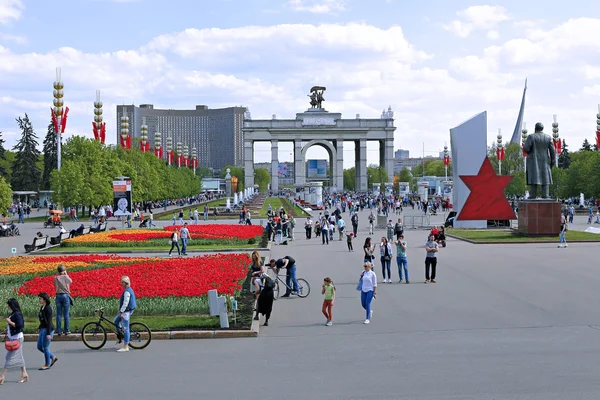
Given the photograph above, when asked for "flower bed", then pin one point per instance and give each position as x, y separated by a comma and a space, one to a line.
175, 286
201, 235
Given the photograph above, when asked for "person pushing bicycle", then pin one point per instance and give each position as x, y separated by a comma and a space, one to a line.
289, 264
127, 305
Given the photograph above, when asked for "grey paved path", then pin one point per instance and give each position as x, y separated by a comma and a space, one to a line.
503, 322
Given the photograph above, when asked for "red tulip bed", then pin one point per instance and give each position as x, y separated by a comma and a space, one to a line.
172, 286
201, 235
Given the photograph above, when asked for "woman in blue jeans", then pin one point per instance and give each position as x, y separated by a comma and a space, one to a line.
46, 330
368, 290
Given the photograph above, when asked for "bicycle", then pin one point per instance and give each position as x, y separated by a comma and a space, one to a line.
303, 286
94, 335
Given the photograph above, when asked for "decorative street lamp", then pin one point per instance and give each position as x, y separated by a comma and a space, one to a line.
144, 136
499, 151
99, 127
598, 128
125, 139
446, 160
179, 154
158, 145
170, 155
59, 119
194, 159
186, 156
523, 140
556, 140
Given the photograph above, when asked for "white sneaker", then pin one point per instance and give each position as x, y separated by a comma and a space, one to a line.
123, 349
366, 322
329, 323
566, 245
371, 315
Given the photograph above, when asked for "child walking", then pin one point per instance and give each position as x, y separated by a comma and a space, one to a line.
329, 291
349, 237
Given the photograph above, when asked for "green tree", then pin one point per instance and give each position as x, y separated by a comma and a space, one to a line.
564, 159
5, 196
50, 156
517, 185
350, 178
3, 169
25, 172
237, 172
586, 146
262, 178
406, 176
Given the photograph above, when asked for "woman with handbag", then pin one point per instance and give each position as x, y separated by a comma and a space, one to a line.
14, 342
46, 331
385, 251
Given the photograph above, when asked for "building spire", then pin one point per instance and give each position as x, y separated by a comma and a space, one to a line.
516, 136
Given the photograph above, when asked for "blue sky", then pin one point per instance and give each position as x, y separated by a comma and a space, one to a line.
435, 62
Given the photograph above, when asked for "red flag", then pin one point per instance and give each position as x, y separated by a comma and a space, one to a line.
54, 120
103, 132
95, 130
598, 139
161, 152
128, 142
63, 121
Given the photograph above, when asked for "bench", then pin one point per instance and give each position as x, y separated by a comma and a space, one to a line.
59, 238
101, 228
38, 243
86, 230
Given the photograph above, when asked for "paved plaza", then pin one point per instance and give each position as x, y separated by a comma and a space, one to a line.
503, 322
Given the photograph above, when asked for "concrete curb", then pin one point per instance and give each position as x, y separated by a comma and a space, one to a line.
525, 242
166, 335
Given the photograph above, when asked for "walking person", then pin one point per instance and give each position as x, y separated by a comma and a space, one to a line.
206, 212
196, 216
292, 226
14, 334
46, 331
390, 230
385, 251
180, 217
185, 235
175, 242
341, 227
354, 220
431, 247
325, 230
563, 231
308, 227
329, 291
62, 284
368, 290
371, 222
127, 305
401, 258
398, 229
151, 220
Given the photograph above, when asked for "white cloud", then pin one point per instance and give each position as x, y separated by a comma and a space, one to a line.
493, 34
10, 10
477, 17
5, 37
317, 6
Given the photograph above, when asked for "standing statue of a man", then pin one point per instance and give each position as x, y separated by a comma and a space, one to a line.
540, 158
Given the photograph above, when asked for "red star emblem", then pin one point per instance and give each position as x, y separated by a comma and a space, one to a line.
486, 200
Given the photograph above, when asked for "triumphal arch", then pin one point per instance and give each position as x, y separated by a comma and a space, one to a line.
316, 126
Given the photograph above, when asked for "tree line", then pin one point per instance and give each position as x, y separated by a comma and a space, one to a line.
88, 169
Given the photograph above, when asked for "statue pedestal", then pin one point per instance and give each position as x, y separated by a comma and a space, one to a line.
539, 217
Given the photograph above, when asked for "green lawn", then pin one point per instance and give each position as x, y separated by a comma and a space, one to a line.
168, 215
508, 236
155, 323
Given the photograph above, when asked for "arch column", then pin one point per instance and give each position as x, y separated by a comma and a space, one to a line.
360, 149
249, 163
274, 166
299, 172
338, 178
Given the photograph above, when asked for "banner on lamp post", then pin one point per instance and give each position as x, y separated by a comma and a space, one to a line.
122, 198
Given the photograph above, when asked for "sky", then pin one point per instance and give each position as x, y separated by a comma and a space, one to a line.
435, 62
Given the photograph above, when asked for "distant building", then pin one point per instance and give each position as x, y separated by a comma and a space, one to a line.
401, 154
411, 163
216, 133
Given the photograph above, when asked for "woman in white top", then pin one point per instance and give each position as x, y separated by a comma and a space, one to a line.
368, 291
175, 242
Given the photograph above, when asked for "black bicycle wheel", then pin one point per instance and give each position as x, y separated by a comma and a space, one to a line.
140, 335
93, 335
276, 290
303, 288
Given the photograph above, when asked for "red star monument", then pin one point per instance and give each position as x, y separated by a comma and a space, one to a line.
486, 200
